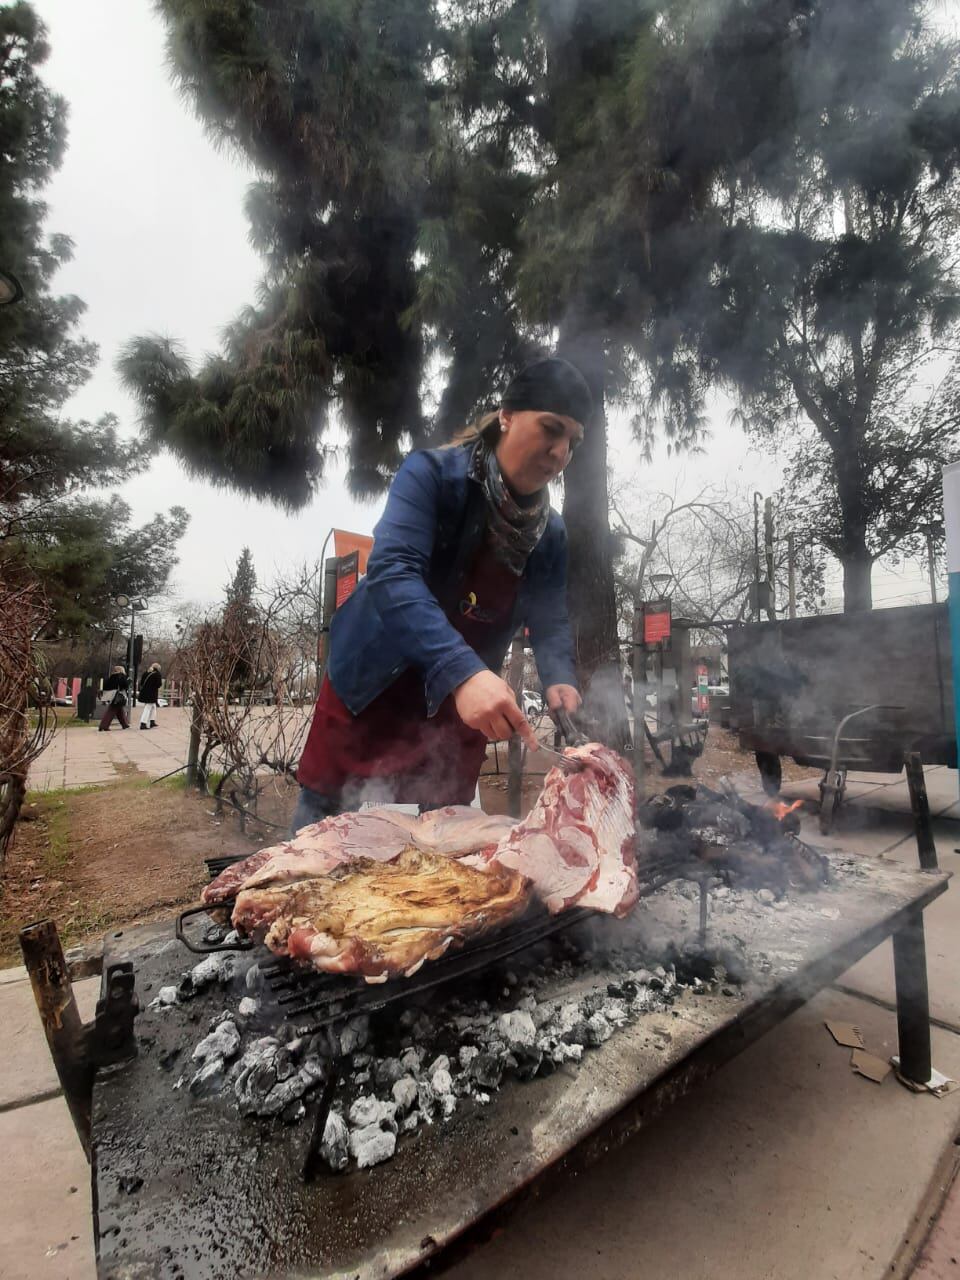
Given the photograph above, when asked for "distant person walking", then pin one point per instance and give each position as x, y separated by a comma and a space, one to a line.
149, 694
115, 689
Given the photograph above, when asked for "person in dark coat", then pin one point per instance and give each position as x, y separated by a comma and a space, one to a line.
467, 550
150, 683
115, 689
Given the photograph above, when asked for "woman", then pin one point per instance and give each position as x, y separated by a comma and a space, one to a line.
115, 696
467, 549
150, 683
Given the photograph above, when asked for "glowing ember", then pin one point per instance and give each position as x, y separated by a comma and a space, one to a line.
780, 810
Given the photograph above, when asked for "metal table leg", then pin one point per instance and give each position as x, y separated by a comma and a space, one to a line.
913, 1003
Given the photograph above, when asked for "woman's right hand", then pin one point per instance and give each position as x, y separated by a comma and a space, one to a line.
486, 703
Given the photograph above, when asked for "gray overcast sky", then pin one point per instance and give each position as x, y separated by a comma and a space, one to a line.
156, 214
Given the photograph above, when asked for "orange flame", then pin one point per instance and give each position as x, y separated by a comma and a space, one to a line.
780, 810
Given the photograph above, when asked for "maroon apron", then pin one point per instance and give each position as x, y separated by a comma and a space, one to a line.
393, 751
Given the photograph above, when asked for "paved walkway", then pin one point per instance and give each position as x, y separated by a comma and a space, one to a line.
81, 756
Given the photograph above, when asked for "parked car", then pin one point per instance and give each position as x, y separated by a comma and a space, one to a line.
532, 703
64, 700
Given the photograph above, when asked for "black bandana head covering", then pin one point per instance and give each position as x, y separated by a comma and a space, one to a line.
552, 385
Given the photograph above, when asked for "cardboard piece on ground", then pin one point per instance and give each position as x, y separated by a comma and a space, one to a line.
845, 1033
938, 1084
867, 1064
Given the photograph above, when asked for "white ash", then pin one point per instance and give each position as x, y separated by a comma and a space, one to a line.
367, 1111
335, 1146
405, 1093
248, 1006
165, 998
381, 1096
372, 1145
267, 1079
223, 1042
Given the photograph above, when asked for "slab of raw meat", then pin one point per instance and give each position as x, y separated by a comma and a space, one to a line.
380, 834
577, 844
381, 919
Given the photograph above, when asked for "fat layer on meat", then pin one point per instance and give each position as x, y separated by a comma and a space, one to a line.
381, 919
379, 834
577, 845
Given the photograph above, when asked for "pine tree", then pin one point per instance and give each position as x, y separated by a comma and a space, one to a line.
241, 587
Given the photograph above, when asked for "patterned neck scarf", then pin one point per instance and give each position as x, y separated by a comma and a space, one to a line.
512, 530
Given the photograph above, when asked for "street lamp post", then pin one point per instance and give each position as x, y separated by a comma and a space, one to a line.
136, 606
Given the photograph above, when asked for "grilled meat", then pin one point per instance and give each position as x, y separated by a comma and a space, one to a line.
381, 919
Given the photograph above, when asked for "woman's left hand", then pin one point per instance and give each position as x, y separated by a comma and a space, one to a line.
563, 697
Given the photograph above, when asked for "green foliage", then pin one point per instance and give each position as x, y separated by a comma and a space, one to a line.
82, 549
85, 552
43, 360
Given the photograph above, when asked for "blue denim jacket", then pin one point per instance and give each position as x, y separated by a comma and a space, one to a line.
431, 527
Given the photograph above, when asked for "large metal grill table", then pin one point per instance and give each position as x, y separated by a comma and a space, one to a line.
184, 1187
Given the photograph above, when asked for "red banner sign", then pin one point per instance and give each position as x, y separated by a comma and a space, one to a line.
346, 543
656, 622
348, 574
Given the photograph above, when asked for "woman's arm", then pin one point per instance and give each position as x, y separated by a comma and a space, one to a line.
397, 581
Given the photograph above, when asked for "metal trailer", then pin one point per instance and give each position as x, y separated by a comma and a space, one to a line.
847, 691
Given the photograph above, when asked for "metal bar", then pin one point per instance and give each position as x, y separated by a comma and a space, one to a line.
368, 998
62, 1025
922, 825
913, 1003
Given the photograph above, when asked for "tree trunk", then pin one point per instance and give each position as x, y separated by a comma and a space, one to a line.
857, 589
590, 589
591, 595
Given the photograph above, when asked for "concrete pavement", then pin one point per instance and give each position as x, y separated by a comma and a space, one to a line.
785, 1166
81, 756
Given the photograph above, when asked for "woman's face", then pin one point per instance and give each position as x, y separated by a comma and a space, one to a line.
534, 447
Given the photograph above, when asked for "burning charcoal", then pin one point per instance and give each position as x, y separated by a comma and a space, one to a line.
335, 1147
542, 1014
362, 1077
528, 1062
372, 1145
388, 1072
216, 968
355, 1034
412, 1122
314, 1069
284, 1065
467, 1054
442, 1082
209, 1079
405, 1093
410, 1060
426, 1098
567, 1053
221, 1043
367, 1111
487, 1070
517, 1029
248, 1007
293, 1112
423, 1026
